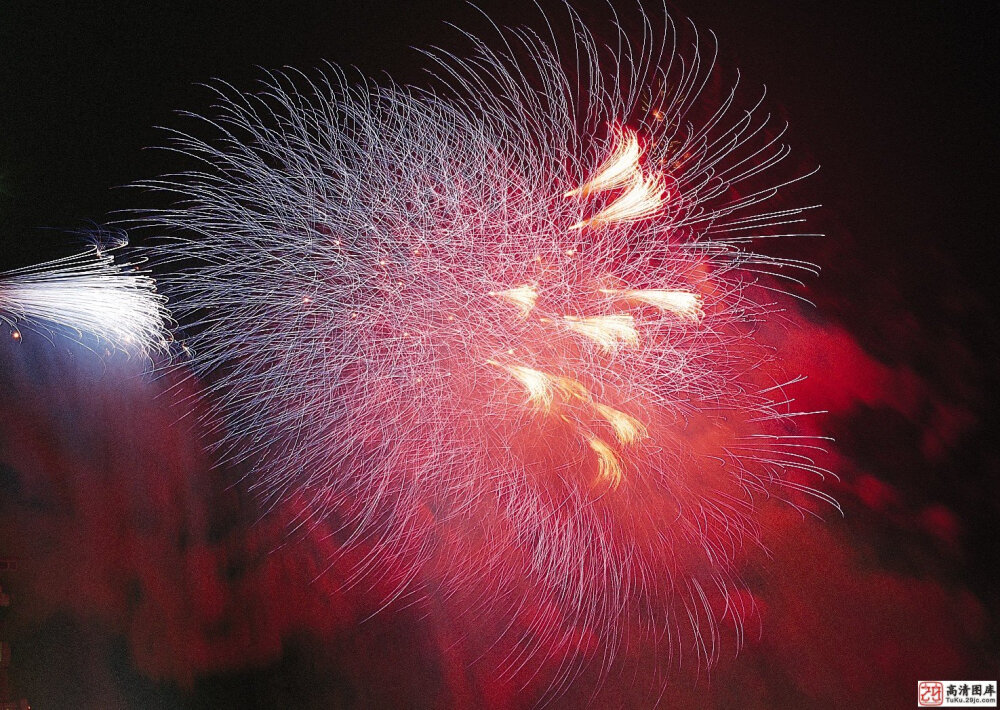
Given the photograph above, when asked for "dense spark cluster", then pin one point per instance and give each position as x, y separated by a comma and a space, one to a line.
501, 332
90, 297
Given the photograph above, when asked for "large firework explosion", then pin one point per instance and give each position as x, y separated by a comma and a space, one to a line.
500, 333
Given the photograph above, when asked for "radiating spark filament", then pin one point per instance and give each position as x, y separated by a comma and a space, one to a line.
608, 468
618, 170
537, 383
643, 198
627, 428
607, 331
685, 304
523, 297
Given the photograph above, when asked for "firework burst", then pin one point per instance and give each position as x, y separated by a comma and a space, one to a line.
503, 331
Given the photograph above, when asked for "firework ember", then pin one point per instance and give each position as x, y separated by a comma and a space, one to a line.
502, 333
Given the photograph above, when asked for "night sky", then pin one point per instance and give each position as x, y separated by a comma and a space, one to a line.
150, 579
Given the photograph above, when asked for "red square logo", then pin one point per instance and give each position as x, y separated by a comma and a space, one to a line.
930, 694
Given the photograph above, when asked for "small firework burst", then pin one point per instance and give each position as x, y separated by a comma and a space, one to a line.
90, 296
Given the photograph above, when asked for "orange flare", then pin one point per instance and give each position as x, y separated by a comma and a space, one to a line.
537, 383
523, 297
571, 388
681, 303
643, 198
606, 331
608, 468
627, 428
618, 170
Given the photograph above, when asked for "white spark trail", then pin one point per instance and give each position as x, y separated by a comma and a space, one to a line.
91, 297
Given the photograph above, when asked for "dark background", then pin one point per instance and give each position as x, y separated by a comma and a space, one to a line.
891, 99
